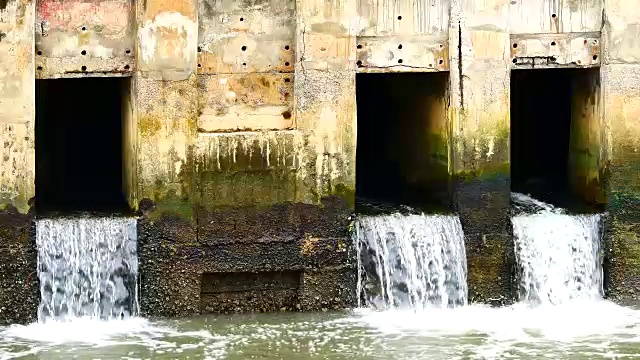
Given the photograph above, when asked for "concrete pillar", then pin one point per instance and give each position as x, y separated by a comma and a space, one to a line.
325, 103
165, 113
325, 109
621, 82
244, 166
480, 113
18, 299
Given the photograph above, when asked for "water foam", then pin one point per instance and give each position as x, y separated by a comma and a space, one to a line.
87, 267
412, 261
558, 255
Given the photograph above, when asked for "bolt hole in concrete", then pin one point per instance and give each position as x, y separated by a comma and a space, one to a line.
286, 47
199, 65
128, 51
399, 17
83, 68
552, 150
39, 68
241, 19
287, 80
84, 28
399, 61
244, 64
359, 63
286, 64
39, 52
595, 57
286, 114
83, 52
553, 43
126, 67
79, 144
515, 46
244, 48
553, 16
395, 164
359, 46
400, 47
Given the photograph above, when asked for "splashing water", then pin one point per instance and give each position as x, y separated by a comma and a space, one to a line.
87, 267
411, 261
558, 255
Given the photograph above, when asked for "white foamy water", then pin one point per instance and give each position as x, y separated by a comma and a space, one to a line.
558, 256
576, 330
87, 267
411, 261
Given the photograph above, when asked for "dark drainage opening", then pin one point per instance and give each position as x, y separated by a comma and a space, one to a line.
402, 148
555, 137
79, 145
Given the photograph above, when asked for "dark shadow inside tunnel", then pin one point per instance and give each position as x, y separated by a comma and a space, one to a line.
555, 136
402, 145
79, 145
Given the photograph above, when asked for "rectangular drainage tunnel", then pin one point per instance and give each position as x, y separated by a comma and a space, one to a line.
556, 136
402, 147
80, 144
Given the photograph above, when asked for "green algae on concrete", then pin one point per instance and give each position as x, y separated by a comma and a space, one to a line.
488, 173
622, 247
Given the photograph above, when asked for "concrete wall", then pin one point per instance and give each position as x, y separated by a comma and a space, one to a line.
241, 131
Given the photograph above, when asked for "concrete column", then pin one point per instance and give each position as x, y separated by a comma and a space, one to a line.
621, 82
480, 118
165, 113
165, 96
325, 104
325, 109
18, 299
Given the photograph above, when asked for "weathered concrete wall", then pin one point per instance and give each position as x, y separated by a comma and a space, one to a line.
585, 157
621, 83
17, 163
240, 132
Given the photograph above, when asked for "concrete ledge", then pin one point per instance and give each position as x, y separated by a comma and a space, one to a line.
311, 240
483, 203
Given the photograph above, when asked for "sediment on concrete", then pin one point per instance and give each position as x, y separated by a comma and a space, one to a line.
299, 257
19, 296
483, 205
622, 248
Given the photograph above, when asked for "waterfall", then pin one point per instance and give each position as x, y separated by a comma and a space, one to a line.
87, 267
557, 255
411, 261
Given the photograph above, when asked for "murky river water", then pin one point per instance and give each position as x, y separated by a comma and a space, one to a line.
594, 330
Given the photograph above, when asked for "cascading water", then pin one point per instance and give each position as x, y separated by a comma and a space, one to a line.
87, 267
411, 261
558, 255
